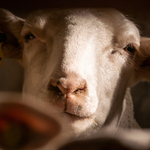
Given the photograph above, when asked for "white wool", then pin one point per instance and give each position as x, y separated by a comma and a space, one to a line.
76, 61
127, 119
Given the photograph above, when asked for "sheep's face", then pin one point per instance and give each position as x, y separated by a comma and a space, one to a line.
76, 60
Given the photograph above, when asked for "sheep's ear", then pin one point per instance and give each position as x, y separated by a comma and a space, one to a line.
11, 25
142, 60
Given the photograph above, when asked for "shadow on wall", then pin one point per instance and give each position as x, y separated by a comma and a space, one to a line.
141, 98
11, 76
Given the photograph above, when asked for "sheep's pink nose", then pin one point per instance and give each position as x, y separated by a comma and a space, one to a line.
69, 85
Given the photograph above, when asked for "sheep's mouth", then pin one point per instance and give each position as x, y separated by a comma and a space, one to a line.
75, 117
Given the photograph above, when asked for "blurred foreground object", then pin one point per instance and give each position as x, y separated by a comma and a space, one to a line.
21, 125
124, 139
34, 125
24, 127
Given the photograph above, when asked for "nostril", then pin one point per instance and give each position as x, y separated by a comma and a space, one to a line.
67, 86
79, 90
52, 88
56, 87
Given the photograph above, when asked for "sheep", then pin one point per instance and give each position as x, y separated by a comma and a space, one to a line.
80, 61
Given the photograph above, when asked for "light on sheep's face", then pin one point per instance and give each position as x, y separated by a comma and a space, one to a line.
78, 66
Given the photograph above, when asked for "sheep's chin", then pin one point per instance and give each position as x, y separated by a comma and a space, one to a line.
80, 125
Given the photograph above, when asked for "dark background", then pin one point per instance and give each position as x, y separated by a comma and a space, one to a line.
11, 73
28, 5
138, 10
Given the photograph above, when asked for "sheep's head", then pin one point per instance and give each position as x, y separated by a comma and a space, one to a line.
80, 61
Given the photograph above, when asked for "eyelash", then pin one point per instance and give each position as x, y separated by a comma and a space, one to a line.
29, 36
130, 48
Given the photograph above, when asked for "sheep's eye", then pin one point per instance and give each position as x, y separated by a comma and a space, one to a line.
130, 48
29, 36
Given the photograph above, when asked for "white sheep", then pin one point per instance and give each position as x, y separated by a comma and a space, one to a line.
80, 61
